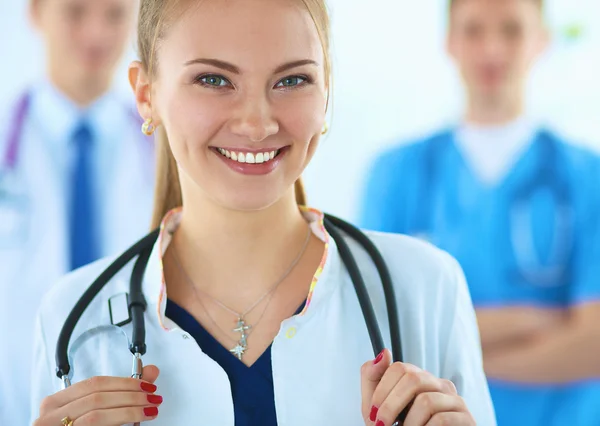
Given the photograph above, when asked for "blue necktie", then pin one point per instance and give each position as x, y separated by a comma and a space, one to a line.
83, 212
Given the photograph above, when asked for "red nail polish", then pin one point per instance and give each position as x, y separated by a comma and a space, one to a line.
373, 415
379, 423
148, 387
155, 399
379, 357
151, 411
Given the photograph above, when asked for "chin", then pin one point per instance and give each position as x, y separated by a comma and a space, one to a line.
248, 200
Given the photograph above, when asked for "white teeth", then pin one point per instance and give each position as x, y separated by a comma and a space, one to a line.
248, 157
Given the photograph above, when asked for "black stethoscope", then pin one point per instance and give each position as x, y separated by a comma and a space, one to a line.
137, 304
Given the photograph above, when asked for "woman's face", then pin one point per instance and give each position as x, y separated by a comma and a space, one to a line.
241, 92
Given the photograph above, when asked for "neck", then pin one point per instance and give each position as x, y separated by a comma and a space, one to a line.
229, 252
489, 111
82, 91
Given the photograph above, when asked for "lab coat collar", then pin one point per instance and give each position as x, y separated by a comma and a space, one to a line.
57, 116
321, 287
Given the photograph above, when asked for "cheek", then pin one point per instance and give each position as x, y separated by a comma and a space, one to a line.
119, 36
302, 117
195, 118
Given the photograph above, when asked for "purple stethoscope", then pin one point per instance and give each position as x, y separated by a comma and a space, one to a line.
14, 136
14, 202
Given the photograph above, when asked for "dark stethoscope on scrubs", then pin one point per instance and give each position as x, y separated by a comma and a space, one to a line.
137, 304
547, 176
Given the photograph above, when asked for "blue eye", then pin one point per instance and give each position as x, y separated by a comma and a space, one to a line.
292, 81
213, 81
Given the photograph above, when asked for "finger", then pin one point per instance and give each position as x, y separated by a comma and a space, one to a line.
428, 404
451, 418
104, 401
150, 373
388, 382
448, 387
117, 416
95, 385
411, 384
371, 373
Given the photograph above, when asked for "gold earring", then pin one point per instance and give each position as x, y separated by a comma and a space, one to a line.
148, 128
325, 128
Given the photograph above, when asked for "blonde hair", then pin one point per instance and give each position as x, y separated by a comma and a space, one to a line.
154, 17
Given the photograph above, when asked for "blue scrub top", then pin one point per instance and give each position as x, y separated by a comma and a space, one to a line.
427, 188
251, 387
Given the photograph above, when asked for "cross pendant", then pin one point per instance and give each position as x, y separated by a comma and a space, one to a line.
242, 345
241, 326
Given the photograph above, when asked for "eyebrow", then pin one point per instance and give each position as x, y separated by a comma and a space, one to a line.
235, 70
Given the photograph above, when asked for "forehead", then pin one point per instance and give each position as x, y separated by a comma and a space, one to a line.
95, 4
236, 30
495, 10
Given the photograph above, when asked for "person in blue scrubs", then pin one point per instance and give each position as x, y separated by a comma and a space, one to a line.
517, 205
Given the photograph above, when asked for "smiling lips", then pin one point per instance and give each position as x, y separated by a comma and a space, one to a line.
251, 163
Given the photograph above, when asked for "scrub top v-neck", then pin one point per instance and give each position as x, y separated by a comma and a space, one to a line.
251, 387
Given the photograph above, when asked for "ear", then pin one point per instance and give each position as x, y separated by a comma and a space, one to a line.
544, 40
140, 84
450, 45
34, 13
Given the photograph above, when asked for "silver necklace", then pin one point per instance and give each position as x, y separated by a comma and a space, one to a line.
243, 340
241, 326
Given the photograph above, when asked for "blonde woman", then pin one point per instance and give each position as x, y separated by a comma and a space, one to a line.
251, 316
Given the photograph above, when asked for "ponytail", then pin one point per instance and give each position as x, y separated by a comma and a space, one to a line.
167, 190
300, 192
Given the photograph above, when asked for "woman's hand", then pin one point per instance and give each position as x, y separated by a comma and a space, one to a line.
104, 401
387, 389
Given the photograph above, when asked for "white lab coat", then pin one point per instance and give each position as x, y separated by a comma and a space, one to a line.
317, 355
34, 234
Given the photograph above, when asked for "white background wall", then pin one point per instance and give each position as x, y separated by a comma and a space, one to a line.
392, 80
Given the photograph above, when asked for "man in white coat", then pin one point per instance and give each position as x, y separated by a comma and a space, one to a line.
73, 165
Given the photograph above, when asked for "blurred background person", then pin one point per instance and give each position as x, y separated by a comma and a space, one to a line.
70, 152
518, 206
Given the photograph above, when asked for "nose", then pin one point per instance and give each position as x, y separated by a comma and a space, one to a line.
494, 46
96, 31
254, 119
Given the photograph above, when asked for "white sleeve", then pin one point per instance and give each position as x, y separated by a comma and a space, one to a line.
43, 379
463, 363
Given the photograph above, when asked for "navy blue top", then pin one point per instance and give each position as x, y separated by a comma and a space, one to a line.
251, 387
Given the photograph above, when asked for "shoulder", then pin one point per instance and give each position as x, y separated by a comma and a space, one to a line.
417, 266
72, 285
401, 153
59, 301
577, 155
578, 168
426, 279
430, 292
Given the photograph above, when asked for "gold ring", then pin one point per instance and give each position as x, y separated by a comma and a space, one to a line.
67, 421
